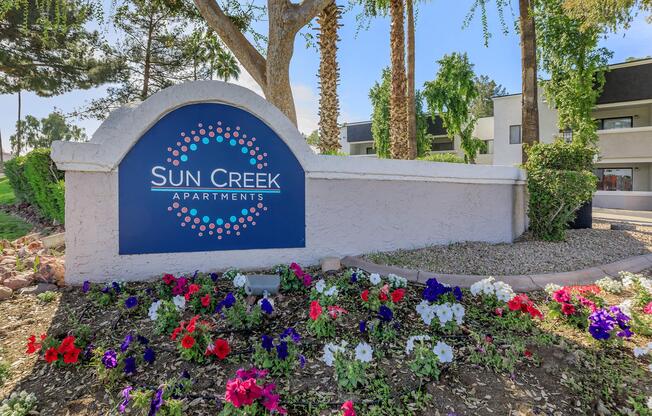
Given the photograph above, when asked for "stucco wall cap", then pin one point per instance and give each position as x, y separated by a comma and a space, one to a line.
124, 127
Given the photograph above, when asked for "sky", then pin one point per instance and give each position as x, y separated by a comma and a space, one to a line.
363, 53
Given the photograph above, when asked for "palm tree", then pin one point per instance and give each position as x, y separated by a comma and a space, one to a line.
329, 107
529, 104
411, 87
398, 133
226, 66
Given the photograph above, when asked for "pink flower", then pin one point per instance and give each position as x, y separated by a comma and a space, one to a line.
561, 296
242, 392
253, 373
270, 400
347, 408
648, 309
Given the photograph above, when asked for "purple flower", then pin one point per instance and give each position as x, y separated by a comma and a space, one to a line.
434, 290
457, 292
267, 343
266, 306
282, 350
142, 340
127, 396
363, 326
130, 365
291, 332
110, 359
214, 277
156, 403
116, 287
149, 355
131, 302
602, 322
354, 277
302, 361
86, 286
125, 344
227, 302
385, 314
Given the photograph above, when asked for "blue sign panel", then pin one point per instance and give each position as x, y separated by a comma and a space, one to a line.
210, 177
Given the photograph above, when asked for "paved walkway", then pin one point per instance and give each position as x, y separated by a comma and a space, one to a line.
623, 215
520, 283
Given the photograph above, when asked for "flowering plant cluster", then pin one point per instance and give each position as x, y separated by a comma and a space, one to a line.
350, 366
54, 352
492, 291
280, 356
326, 295
376, 296
641, 286
322, 321
574, 304
522, 303
238, 313
166, 313
112, 364
293, 278
441, 301
604, 322
610, 285
194, 341
641, 351
163, 401
248, 394
426, 360
103, 295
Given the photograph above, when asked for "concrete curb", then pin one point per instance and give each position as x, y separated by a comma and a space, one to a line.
520, 283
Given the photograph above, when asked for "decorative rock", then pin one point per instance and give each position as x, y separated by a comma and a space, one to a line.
5, 292
330, 264
623, 227
54, 240
18, 282
51, 269
257, 284
7, 274
34, 247
39, 288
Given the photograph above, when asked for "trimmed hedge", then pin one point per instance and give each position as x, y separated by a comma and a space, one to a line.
559, 181
35, 179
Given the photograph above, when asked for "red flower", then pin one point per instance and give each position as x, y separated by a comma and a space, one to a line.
187, 342
527, 353
68, 344
168, 279
51, 355
71, 356
32, 345
382, 296
498, 311
488, 339
192, 323
534, 312
397, 295
206, 300
335, 311
365, 295
567, 309
176, 333
315, 310
221, 349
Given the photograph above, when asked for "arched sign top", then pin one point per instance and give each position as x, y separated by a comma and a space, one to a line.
210, 176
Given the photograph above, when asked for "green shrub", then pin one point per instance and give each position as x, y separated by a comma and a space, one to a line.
443, 157
45, 181
559, 181
15, 171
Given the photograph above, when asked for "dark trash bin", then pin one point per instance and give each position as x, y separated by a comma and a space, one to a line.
583, 217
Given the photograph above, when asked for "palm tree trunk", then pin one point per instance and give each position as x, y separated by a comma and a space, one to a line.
411, 108
530, 109
398, 134
329, 107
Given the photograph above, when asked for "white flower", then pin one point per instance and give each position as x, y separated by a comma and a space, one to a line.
458, 313
329, 352
320, 285
638, 351
409, 346
426, 311
443, 352
239, 280
610, 285
444, 313
332, 291
364, 352
179, 301
396, 281
503, 291
551, 288
153, 310
626, 306
649, 399
374, 279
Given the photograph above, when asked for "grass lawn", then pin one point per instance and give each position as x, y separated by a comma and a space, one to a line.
11, 227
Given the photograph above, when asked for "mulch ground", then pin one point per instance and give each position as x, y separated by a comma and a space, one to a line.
568, 373
581, 249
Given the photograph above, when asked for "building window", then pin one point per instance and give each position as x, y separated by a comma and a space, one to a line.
370, 151
615, 179
515, 134
615, 123
442, 146
567, 134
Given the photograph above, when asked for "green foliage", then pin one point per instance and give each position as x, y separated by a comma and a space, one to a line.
15, 171
442, 157
568, 51
559, 182
425, 363
270, 360
18, 404
290, 282
4, 372
483, 105
350, 374
47, 297
240, 316
450, 96
7, 195
12, 227
313, 138
379, 95
171, 404
44, 180
35, 133
322, 327
167, 317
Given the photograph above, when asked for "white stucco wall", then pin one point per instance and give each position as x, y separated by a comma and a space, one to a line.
353, 205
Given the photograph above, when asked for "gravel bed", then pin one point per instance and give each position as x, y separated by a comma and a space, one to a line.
582, 249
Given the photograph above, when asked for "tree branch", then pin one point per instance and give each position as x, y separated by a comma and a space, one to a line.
234, 39
300, 14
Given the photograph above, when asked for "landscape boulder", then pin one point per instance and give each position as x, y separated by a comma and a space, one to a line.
5, 293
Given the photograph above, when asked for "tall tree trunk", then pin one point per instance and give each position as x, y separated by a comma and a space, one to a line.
398, 134
329, 106
19, 126
529, 103
148, 57
411, 87
2, 153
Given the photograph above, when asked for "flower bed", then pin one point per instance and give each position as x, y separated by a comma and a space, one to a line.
346, 343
